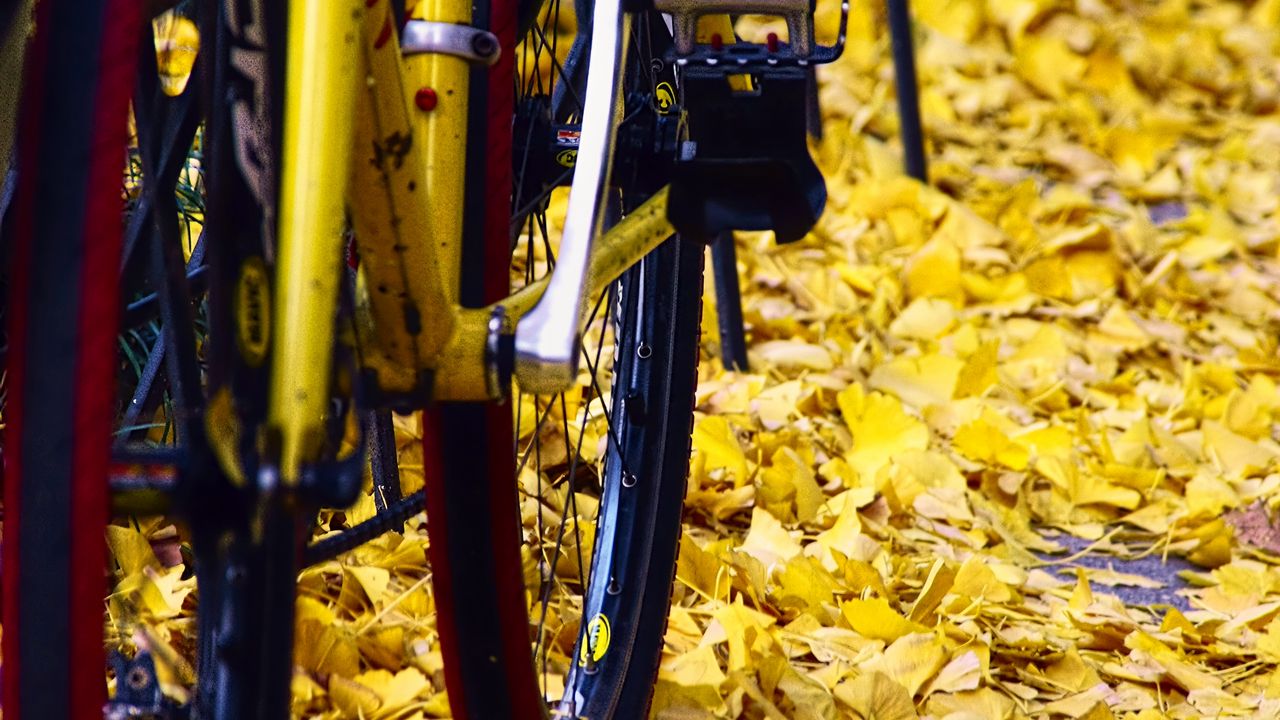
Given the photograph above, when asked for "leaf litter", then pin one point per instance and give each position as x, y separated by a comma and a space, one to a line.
1009, 447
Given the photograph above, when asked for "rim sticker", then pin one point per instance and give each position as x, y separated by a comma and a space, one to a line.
567, 158
596, 641
664, 97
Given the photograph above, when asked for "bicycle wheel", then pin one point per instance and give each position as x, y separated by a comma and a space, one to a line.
589, 590
134, 421
61, 371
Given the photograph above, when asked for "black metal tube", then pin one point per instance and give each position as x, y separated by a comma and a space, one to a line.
381, 434
904, 70
813, 111
145, 398
146, 308
724, 267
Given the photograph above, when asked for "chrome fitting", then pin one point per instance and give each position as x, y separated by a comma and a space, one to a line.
499, 354
439, 38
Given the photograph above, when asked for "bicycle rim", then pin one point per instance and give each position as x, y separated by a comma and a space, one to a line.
592, 613
140, 411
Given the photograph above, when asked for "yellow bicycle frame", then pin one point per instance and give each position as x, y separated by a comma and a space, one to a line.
400, 174
318, 100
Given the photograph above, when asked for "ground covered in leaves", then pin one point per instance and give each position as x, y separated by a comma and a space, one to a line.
984, 418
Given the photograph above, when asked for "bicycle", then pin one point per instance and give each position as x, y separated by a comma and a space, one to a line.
447, 172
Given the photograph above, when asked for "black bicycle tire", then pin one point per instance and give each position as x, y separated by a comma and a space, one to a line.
472, 499
668, 372
476, 580
68, 85
63, 311
470, 509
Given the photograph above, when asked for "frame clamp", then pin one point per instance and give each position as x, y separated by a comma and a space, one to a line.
440, 38
499, 354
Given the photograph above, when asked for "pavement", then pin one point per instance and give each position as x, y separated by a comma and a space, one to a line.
1152, 566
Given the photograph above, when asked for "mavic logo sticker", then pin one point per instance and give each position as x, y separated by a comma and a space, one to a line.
567, 158
252, 311
596, 643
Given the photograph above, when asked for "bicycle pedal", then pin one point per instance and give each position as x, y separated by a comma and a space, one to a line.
746, 163
800, 49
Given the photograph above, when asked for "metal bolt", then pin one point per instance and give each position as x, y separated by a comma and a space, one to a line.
484, 44
138, 678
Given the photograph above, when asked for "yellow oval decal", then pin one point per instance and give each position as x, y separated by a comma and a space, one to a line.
664, 97
253, 312
568, 158
596, 643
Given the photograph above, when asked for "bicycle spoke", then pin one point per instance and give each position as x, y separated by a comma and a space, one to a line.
562, 518
166, 129
147, 307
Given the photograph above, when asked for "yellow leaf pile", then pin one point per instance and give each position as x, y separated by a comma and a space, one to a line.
1069, 341
960, 394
